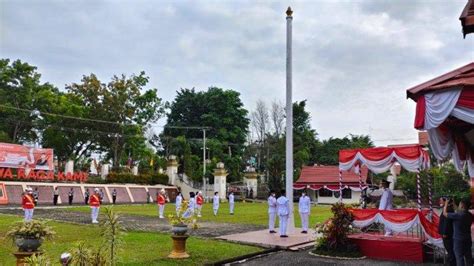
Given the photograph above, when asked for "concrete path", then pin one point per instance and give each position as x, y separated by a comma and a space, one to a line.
139, 223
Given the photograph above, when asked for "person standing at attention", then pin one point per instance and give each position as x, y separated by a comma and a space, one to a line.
114, 196
283, 206
178, 202
161, 200
101, 196
28, 204
86, 196
231, 203
272, 210
199, 202
70, 195
55, 196
36, 196
94, 203
304, 208
386, 201
215, 203
462, 239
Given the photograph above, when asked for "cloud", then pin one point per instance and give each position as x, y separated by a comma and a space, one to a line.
352, 61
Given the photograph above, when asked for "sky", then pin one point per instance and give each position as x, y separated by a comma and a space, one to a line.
352, 60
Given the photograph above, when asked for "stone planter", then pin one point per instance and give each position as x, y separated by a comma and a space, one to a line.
28, 244
179, 229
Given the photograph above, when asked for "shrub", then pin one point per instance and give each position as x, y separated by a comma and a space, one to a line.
335, 231
33, 229
148, 179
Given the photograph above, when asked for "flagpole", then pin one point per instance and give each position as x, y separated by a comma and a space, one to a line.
289, 118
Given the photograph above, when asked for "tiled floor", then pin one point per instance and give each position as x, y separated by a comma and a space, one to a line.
264, 239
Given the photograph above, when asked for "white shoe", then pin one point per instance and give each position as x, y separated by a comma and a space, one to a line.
95, 222
161, 217
199, 215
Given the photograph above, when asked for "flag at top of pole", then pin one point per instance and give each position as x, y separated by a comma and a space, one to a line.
289, 119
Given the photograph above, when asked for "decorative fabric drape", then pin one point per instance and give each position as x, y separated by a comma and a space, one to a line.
333, 188
432, 110
380, 159
400, 220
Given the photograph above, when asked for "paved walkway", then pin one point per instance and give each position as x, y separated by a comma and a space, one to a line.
285, 258
139, 223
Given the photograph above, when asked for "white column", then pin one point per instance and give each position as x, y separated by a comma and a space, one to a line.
104, 170
289, 119
69, 167
220, 181
172, 169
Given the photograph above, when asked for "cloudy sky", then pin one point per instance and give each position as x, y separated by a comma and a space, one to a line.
353, 60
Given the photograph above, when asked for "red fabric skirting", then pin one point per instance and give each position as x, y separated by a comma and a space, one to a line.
392, 248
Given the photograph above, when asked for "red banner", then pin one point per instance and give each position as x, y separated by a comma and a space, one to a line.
18, 156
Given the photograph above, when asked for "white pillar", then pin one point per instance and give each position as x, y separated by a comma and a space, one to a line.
251, 181
172, 169
69, 167
289, 119
135, 170
220, 181
104, 170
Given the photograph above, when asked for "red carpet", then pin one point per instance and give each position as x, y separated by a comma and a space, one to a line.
395, 248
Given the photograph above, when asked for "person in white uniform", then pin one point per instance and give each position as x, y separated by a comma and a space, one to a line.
272, 210
386, 201
283, 207
179, 200
304, 208
231, 203
215, 203
191, 206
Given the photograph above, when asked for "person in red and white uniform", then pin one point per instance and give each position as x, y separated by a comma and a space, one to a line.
28, 204
161, 200
94, 203
199, 202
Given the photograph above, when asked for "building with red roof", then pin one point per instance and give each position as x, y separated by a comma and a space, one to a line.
322, 184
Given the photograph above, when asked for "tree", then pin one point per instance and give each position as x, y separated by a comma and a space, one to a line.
220, 110
260, 124
19, 89
122, 104
277, 117
328, 151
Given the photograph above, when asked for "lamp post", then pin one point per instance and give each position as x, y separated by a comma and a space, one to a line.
289, 118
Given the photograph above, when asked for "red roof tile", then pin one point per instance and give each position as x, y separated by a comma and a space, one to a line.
327, 175
462, 77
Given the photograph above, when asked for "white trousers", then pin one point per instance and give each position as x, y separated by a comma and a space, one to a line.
231, 207
215, 210
304, 220
94, 213
161, 210
177, 208
271, 221
283, 219
28, 214
198, 209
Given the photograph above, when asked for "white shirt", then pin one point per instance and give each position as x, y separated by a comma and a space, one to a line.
215, 202
304, 205
283, 206
231, 198
386, 200
192, 203
179, 199
272, 204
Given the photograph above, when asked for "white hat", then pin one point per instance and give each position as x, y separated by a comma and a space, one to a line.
199, 192
96, 189
29, 189
162, 190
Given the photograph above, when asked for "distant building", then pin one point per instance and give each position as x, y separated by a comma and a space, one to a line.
322, 184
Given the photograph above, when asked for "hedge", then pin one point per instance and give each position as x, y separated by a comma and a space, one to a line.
147, 179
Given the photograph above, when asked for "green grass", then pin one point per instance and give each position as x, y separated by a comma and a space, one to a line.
139, 248
244, 213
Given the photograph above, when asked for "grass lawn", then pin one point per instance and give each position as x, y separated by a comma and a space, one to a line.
139, 248
244, 213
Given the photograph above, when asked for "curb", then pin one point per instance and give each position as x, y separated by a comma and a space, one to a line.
243, 257
337, 258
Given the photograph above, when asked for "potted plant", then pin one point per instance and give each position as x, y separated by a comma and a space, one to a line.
28, 236
182, 219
